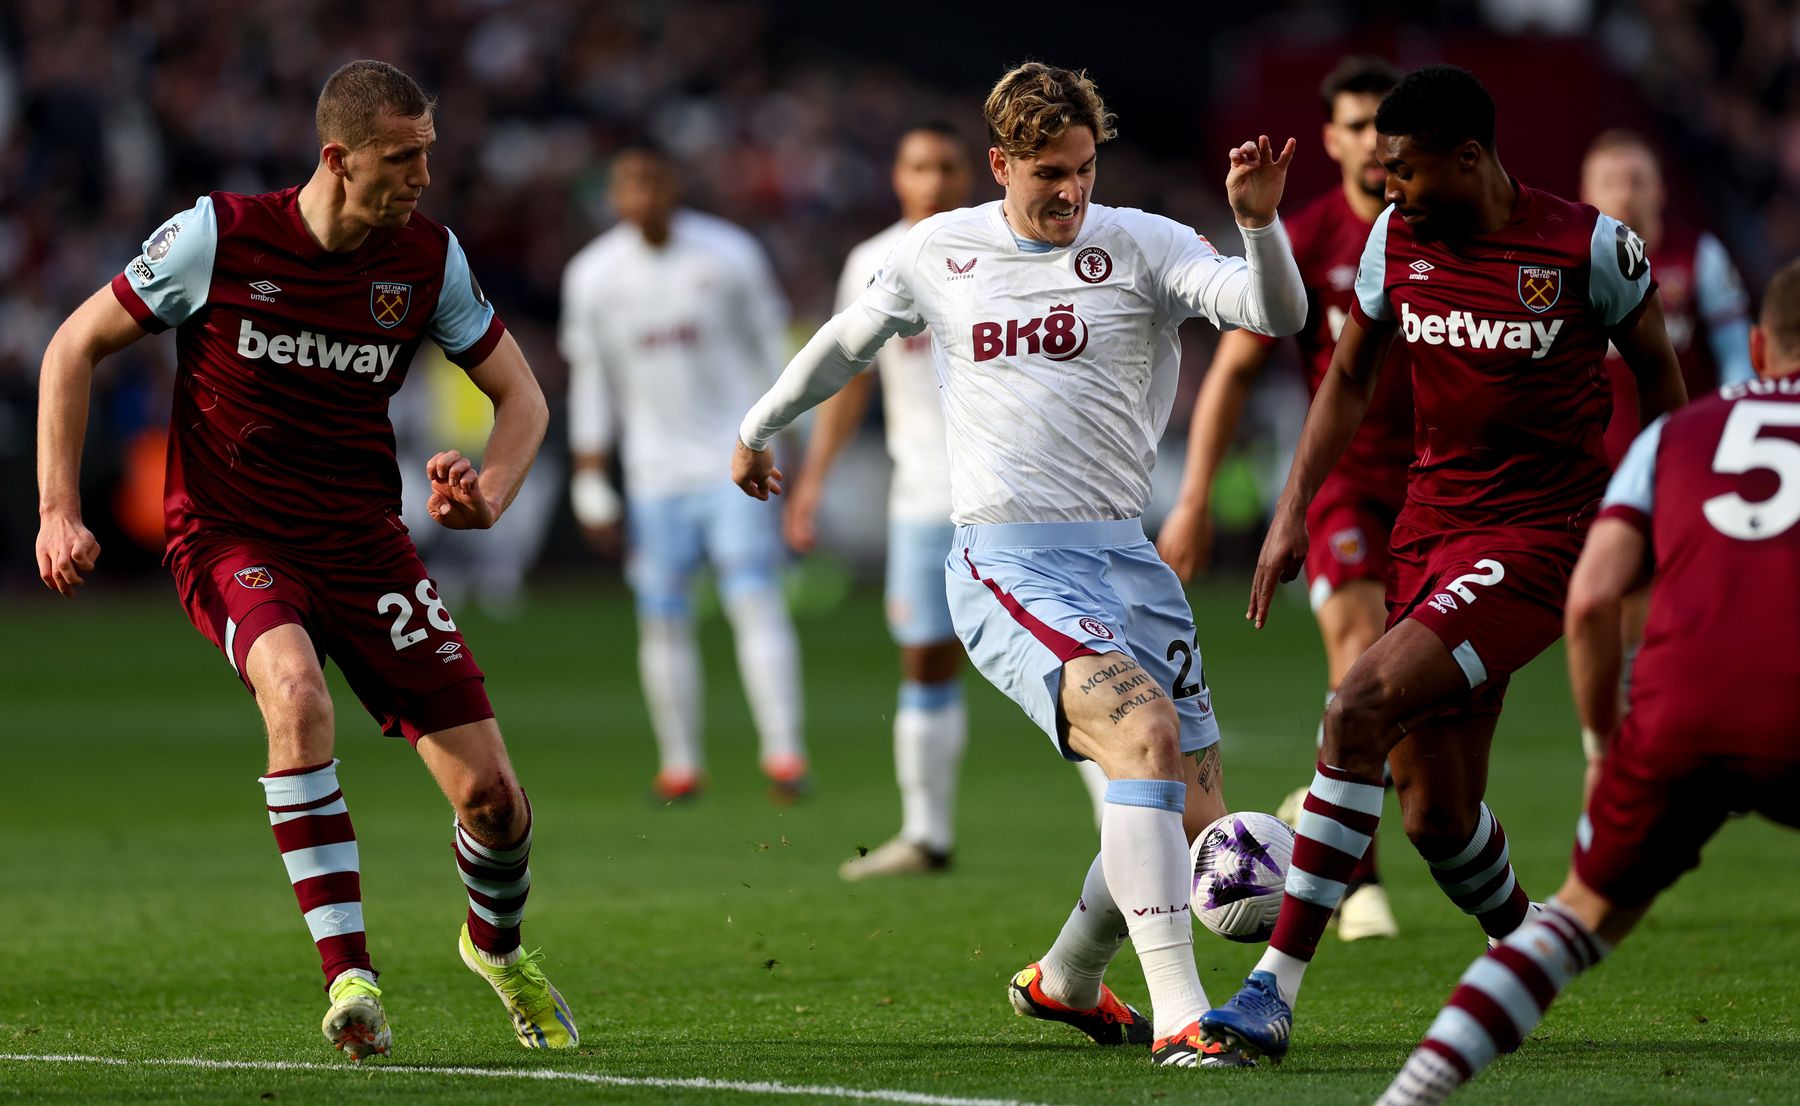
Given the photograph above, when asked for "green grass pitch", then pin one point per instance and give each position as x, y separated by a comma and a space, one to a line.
148, 917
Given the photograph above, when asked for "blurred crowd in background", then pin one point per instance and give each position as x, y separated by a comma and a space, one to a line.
115, 114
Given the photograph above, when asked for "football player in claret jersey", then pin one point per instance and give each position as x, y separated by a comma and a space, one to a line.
1704, 305
1706, 508
672, 322
296, 314
1054, 324
1506, 297
1351, 517
931, 175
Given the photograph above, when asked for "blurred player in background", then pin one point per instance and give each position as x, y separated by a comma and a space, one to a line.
297, 314
672, 324
1054, 324
1350, 519
931, 174
1706, 507
1704, 306
1506, 297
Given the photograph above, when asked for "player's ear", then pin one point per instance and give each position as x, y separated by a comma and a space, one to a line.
1470, 155
332, 155
1759, 350
997, 162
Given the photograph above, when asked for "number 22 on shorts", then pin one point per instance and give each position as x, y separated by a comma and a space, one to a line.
403, 612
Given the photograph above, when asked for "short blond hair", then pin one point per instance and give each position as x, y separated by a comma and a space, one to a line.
358, 94
1781, 312
1033, 104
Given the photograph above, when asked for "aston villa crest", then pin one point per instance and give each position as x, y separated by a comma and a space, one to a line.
388, 303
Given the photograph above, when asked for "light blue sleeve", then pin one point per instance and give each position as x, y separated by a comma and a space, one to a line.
1634, 481
1724, 307
1371, 270
1618, 270
463, 314
174, 273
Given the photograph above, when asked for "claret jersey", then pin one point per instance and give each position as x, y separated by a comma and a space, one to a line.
1056, 367
1715, 488
286, 357
1328, 238
1507, 334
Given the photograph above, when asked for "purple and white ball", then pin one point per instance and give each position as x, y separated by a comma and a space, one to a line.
1240, 864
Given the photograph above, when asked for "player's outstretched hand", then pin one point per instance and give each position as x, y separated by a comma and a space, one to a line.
1283, 554
1185, 540
457, 501
754, 471
65, 550
1256, 179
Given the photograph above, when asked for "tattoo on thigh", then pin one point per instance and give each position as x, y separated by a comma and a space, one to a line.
1208, 777
1126, 671
1148, 695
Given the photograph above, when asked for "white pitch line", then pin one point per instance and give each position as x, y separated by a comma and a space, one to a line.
909, 1098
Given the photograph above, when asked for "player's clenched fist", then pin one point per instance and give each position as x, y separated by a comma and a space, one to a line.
457, 501
65, 550
1283, 553
754, 471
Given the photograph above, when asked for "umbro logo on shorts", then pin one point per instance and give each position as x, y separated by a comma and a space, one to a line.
256, 577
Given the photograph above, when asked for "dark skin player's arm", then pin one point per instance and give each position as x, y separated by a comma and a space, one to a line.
1647, 352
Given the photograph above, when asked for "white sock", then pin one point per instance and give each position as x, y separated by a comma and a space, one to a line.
669, 664
1093, 935
768, 657
1287, 969
1093, 777
931, 729
1145, 854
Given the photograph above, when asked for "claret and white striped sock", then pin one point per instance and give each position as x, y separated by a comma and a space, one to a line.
318, 846
1337, 823
1499, 1001
1479, 878
498, 881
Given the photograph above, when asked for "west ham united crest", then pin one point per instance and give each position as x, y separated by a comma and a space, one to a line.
256, 577
1539, 288
388, 302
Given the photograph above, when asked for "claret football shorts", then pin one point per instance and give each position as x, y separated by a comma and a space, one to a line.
375, 613
1494, 596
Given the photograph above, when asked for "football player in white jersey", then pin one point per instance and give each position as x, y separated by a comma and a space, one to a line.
931, 174
1054, 323
671, 324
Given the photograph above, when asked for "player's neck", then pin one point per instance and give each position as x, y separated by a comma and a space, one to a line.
324, 211
1500, 195
656, 235
1365, 206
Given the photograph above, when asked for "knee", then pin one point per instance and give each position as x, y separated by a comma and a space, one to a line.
295, 704
492, 810
1360, 718
1149, 749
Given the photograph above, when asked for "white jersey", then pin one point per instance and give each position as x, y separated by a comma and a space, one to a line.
914, 416
1056, 369
668, 345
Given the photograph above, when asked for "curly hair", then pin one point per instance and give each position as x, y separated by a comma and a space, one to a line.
1438, 107
1034, 103
359, 93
